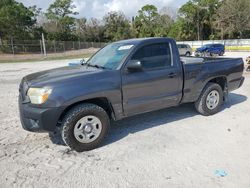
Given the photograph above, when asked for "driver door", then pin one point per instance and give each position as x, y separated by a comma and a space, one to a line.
157, 85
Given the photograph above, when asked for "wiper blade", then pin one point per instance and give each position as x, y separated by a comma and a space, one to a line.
96, 66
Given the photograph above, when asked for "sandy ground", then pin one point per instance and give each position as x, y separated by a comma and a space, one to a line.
174, 147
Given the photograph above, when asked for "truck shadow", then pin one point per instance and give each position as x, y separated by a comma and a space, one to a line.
234, 99
131, 125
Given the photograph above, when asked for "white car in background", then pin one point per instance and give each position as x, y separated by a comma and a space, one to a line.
184, 49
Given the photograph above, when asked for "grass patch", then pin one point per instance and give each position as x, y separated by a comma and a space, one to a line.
238, 48
234, 48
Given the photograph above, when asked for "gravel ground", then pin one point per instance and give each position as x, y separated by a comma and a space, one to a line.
174, 147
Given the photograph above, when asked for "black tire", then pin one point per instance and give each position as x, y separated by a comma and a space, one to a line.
188, 54
71, 119
221, 53
201, 105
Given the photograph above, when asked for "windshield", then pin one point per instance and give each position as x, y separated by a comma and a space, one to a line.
110, 56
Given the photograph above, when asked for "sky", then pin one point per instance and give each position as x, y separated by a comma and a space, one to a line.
98, 8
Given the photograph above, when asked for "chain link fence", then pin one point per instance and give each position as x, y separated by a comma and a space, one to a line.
13, 46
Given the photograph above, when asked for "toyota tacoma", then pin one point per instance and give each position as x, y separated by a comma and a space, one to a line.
123, 79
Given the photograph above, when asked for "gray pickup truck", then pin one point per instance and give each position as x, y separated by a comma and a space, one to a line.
123, 79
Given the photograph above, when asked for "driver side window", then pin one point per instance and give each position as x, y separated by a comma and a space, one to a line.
154, 56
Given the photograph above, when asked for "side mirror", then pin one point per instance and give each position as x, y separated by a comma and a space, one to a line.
77, 63
83, 62
134, 66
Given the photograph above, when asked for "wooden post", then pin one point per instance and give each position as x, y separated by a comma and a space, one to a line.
44, 47
41, 47
54, 42
12, 46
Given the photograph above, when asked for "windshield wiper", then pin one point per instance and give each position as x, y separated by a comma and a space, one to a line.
96, 66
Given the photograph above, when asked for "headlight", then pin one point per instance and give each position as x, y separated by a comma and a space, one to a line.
38, 95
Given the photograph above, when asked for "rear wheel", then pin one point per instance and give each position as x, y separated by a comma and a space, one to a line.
188, 54
210, 100
84, 127
221, 53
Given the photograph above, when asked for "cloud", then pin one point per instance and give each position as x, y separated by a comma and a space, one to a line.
98, 8
80, 5
130, 8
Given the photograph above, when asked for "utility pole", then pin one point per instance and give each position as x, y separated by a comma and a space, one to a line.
198, 19
44, 47
198, 24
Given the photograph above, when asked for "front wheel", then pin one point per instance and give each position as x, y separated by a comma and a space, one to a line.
84, 127
210, 100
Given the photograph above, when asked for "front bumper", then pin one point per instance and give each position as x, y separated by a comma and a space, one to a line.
36, 119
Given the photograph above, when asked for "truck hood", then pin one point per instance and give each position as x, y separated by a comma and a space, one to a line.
59, 75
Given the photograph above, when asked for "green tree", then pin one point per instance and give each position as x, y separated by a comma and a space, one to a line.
91, 30
233, 18
95, 30
145, 21
150, 23
196, 19
16, 20
117, 26
182, 30
60, 14
163, 25
60, 9
81, 28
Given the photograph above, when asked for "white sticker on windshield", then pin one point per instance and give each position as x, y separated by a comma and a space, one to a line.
127, 47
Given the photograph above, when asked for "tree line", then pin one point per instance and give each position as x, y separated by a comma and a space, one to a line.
195, 20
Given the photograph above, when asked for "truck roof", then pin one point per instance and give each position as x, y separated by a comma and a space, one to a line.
136, 41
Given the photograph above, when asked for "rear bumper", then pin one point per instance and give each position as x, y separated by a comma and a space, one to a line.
38, 119
235, 84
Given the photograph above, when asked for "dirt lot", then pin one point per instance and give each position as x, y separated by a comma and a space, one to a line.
39, 57
175, 147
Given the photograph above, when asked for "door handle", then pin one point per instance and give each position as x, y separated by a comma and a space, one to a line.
172, 75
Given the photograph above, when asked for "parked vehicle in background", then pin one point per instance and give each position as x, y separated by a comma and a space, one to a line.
248, 63
210, 50
184, 49
123, 79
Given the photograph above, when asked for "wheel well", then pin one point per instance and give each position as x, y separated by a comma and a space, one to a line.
102, 102
222, 81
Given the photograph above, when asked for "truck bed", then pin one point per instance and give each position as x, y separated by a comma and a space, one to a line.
197, 70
